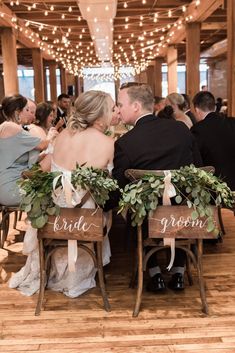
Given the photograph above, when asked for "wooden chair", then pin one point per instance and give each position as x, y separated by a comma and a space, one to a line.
5, 221
83, 225
184, 237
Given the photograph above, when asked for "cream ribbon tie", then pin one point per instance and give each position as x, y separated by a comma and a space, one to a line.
72, 198
169, 191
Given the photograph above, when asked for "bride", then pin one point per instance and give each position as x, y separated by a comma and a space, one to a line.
82, 142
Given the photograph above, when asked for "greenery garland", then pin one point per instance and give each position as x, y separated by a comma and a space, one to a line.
194, 187
36, 190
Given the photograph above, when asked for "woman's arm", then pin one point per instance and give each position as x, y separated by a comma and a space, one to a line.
42, 145
45, 163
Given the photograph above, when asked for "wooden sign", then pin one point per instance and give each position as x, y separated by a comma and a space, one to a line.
74, 223
176, 222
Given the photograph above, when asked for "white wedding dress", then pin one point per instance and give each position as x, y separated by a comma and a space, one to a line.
71, 283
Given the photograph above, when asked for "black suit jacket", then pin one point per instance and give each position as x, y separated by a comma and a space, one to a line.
154, 143
215, 136
59, 116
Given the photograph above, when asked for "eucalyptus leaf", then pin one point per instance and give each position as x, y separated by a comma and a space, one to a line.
210, 226
40, 221
178, 199
194, 215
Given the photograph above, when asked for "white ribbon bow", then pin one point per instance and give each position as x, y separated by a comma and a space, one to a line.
72, 199
169, 191
72, 196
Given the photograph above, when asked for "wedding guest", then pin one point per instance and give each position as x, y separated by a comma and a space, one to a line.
187, 108
166, 113
153, 143
218, 104
159, 104
42, 126
204, 88
63, 105
83, 142
27, 116
18, 150
215, 136
177, 102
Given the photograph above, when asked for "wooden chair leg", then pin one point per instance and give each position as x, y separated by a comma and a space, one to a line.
42, 278
101, 277
15, 219
133, 281
221, 221
200, 278
188, 270
140, 272
4, 227
20, 215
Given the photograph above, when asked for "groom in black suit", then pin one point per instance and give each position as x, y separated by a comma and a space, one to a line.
153, 143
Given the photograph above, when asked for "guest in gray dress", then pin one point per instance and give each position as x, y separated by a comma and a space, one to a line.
18, 150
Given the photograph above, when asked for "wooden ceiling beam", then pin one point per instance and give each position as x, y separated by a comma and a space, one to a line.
52, 2
213, 26
5, 21
199, 14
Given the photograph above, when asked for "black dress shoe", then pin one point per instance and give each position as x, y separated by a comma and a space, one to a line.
156, 284
176, 282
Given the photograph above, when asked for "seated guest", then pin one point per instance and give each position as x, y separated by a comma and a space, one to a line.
63, 105
215, 136
83, 142
159, 104
224, 107
16, 147
187, 109
177, 102
42, 126
153, 143
204, 88
166, 113
218, 104
43, 129
27, 116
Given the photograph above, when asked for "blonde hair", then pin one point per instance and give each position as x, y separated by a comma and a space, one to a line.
142, 93
177, 99
88, 107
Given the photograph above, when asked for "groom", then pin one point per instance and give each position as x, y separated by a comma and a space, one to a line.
153, 143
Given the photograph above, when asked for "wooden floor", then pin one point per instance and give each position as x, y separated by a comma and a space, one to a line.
167, 323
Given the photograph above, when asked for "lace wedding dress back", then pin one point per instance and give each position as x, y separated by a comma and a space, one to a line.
61, 279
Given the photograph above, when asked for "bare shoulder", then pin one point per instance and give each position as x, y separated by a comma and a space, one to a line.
37, 131
8, 129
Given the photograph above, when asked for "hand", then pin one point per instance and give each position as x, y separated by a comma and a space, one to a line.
52, 133
60, 124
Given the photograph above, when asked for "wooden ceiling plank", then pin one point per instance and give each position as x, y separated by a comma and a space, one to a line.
206, 8
213, 26
20, 36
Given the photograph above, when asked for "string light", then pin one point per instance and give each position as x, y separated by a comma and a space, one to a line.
148, 53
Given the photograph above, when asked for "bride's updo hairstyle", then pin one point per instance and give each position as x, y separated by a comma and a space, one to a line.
88, 107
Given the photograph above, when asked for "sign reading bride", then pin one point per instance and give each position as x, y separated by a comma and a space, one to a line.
177, 222
78, 223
